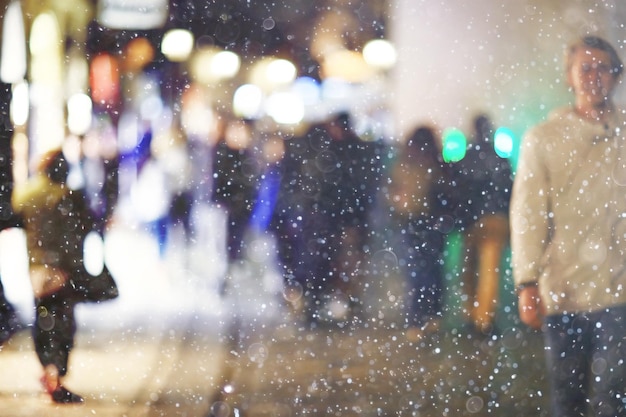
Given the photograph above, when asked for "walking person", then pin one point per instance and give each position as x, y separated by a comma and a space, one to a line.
486, 180
235, 182
568, 231
351, 179
301, 223
56, 221
416, 192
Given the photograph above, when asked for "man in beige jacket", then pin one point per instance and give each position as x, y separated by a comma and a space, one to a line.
568, 224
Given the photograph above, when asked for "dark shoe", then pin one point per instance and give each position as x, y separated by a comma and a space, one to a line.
63, 396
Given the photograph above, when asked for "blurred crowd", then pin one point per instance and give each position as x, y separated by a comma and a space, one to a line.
327, 197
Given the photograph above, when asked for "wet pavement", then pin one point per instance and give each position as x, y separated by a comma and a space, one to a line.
174, 344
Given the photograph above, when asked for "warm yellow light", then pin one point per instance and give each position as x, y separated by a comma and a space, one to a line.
20, 104
225, 64
210, 64
270, 73
380, 53
347, 65
45, 49
43, 27
138, 53
247, 101
77, 72
285, 108
79, 113
177, 45
281, 71
200, 65
13, 58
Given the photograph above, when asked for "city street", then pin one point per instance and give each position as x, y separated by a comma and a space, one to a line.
176, 344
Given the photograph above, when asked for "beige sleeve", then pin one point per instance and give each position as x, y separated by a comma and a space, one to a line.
529, 212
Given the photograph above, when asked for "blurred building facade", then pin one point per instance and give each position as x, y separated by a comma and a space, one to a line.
86, 58
505, 58
444, 60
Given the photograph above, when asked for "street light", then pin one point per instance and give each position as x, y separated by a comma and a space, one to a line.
285, 108
247, 101
20, 104
13, 58
380, 53
177, 45
210, 64
79, 114
271, 73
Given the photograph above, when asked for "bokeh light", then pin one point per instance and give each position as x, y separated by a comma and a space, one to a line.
247, 101
177, 45
454, 145
380, 53
503, 142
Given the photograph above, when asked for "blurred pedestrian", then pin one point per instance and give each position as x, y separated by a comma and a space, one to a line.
301, 223
568, 228
486, 181
351, 175
57, 221
416, 197
235, 176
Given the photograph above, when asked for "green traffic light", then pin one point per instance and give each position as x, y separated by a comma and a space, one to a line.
454, 145
503, 141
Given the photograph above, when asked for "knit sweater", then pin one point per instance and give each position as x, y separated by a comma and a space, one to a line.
568, 212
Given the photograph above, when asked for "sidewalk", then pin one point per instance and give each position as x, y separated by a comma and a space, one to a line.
127, 349
174, 345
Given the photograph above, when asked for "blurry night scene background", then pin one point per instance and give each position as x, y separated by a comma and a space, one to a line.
147, 83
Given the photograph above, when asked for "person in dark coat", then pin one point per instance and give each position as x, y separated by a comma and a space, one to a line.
56, 221
351, 178
235, 183
300, 222
417, 197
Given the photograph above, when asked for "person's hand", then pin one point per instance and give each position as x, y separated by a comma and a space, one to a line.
531, 310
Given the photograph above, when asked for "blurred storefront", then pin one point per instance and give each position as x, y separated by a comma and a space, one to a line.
120, 66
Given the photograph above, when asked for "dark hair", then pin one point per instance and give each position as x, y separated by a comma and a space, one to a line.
54, 165
596, 42
422, 142
483, 128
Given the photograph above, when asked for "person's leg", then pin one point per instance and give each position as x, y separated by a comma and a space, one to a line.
235, 250
492, 241
350, 261
607, 363
53, 335
427, 276
469, 266
53, 332
568, 349
402, 241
